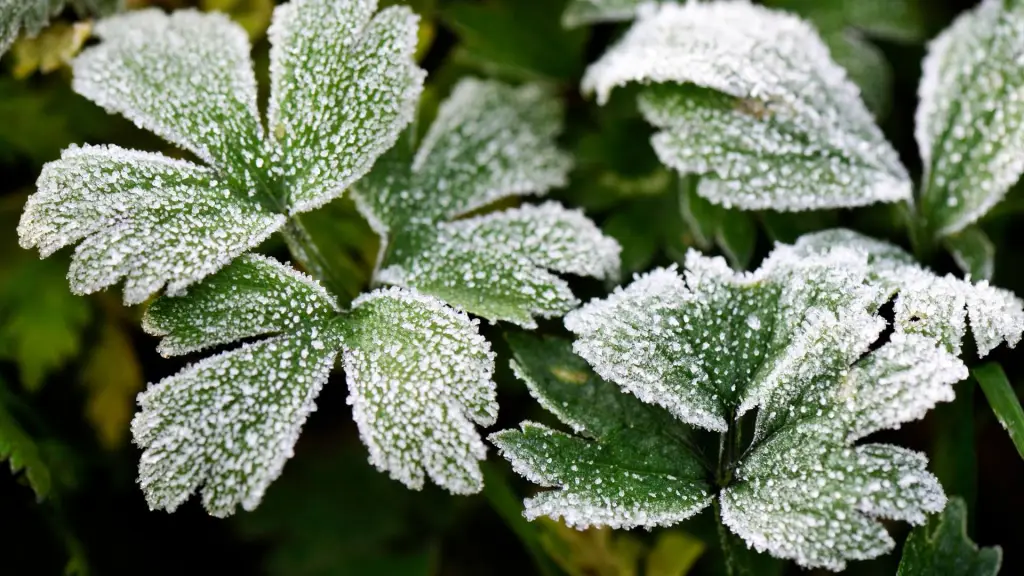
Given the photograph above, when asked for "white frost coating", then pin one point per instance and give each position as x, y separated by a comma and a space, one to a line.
419, 376
254, 296
792, 340
227, 424
970, 118
489, 141
343, 87
752, 96
502, 259
140, 216
594, 492
927, 303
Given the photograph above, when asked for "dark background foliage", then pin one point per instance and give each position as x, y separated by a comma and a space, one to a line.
70, 367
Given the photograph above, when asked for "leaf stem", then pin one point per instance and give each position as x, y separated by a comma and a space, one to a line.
1003, 400
306, 251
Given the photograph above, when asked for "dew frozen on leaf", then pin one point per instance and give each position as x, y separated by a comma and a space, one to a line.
970, 115
419, 377
751, 97
488, 142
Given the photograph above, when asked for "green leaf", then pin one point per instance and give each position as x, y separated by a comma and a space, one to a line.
894, 20
1004, 402
625, 468
112, 376
139, 216
773, 124
21, 451
585, 12
969, 117
49, 50
489, 141
942, 547
973, 252
733, 231
343, 86
674, 554
419, 376
866, 66
253, 15
797, 339
188, 77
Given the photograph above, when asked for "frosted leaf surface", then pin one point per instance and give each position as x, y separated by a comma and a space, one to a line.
751, 96
139, 216
713, 341
255, 296
419, 377
497, 265
970, 119
792, 339
343, 87
629, 466
226, 425
489, 141
186, 77
937, 306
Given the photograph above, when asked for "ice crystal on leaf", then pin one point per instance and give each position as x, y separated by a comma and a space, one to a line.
750, 98
489, 141
798, 340
970, 119
418, 374
31, 16
343, 86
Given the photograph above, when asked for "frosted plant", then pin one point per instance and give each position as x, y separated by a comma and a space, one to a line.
488, 142
31, 16
750, 98
419, 373
798, 340
343, 86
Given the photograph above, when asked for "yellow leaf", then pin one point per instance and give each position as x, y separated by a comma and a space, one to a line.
253, 15
112, 377
50, 49
592, 552
674, 554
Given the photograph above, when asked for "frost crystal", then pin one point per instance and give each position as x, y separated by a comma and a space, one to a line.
418, 372
970, 120
796, 339
489, 142
750, 98
343, 86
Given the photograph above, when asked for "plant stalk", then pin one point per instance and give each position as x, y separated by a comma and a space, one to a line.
306, 252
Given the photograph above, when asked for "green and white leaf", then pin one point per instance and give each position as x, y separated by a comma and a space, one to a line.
144, 217
343, 87
943, 547
419, 377
489, 141
937, 306
626, 467
794, 340
751, 98
227, 424
970, 119
497, 265
585, 12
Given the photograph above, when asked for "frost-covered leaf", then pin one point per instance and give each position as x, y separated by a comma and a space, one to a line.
973, 252
139, 216
795, 339
943, 547
31, 16
866, 66
227, 424
419, 377
750, 98
629, 465
937, 306
343, 86
969, 129
489, 141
